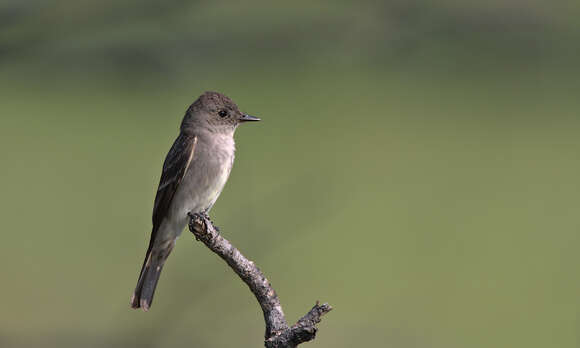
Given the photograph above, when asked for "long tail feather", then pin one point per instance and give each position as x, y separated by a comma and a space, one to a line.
150, 272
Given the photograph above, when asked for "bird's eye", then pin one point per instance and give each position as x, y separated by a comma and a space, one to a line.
223, 113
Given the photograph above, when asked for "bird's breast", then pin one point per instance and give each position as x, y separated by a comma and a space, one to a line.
210, 170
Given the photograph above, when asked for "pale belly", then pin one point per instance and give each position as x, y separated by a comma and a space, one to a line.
211, 191
198, 191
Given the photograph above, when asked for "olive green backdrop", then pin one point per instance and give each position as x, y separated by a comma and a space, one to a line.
417, 167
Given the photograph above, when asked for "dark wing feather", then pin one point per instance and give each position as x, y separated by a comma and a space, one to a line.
174, 168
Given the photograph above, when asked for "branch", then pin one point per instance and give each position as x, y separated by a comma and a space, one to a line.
278, 333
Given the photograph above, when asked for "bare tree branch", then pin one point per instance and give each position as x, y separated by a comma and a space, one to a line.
278, 333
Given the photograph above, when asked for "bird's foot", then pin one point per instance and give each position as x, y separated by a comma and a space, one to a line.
199, 224
207, 218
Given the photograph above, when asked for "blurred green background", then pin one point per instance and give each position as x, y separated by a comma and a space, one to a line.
417, 167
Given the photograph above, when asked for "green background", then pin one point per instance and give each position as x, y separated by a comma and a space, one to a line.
417, 167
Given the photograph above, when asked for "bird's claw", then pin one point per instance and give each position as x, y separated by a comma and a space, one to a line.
206, 221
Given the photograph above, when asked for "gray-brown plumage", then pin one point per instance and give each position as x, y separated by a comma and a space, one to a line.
194, 174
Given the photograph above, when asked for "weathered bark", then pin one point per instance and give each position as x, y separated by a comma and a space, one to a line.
278, 333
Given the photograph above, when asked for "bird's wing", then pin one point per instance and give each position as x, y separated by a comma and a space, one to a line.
174, 168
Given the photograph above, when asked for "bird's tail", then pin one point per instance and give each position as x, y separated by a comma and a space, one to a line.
150, 272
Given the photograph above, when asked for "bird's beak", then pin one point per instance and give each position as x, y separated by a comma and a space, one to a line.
248, 118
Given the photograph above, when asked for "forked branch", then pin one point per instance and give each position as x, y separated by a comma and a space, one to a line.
278, 333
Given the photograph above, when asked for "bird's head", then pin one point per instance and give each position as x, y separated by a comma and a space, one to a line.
215, 112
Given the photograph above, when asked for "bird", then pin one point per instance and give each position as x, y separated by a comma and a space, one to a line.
194, 173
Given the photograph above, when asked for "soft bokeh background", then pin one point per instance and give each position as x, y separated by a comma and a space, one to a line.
418, 167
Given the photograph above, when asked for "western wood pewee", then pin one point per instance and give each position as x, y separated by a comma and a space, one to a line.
194, 173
